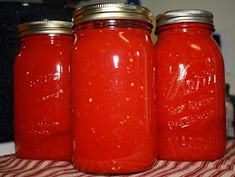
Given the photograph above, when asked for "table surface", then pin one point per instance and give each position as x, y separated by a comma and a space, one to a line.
11, 166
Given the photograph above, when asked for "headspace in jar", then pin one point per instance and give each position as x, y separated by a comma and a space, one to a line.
189, 87
42, 91
112, 97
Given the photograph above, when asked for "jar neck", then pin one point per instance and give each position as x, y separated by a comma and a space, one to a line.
114, 24
187, 28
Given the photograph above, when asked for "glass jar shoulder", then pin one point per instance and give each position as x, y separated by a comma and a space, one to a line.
39, 41
120, 35
108, 40
186, 47
42, 62
39, 48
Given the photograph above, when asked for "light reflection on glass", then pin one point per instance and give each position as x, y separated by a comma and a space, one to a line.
209, 80
146, 38
58, 72
170, 69
138, 53
182, 72
115, 61
215, 79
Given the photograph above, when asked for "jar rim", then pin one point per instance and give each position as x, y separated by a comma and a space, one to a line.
45, 27
109, 11
184, 15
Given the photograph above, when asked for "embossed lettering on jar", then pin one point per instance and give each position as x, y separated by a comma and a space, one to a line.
189, 87
42, 91
112, 73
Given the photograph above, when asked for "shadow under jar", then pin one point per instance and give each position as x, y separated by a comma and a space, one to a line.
189, 87
112, 90
42, 91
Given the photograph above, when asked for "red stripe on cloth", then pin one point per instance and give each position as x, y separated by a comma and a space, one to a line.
41, 168
166, 169
11, 165
231, 166
194, 172
48, 168
230, 146
55, 169
218, 173
229, 163
221, 166
4, 159
70, 173
229, 153
221, 162
211, 169
204, 171
6, 163
17, 169
214, 167
225, 167
33, 165
185, 167
227, 173
154, 169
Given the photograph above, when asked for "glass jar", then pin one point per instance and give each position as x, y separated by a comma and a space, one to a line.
112, 73
189, 87
42, 91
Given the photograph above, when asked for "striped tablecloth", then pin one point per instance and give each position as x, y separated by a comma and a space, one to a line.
10, 166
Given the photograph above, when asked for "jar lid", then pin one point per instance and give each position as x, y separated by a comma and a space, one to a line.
45, 27
184, 15
108, 11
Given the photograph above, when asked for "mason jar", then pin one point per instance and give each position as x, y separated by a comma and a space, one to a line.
42, 110
189, 87
112, 89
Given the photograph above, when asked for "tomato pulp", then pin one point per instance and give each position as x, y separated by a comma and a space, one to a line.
42, 97
190, 93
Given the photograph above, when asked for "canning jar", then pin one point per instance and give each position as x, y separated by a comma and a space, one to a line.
112, 73
42, 91
189, 87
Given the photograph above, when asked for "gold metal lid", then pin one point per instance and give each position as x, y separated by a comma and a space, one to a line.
184, 15
45, 27
109, 11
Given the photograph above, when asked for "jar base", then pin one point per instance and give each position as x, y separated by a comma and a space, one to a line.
98, 170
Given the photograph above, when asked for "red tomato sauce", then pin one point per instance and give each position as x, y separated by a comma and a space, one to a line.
42, 97
112, 74
190, 93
